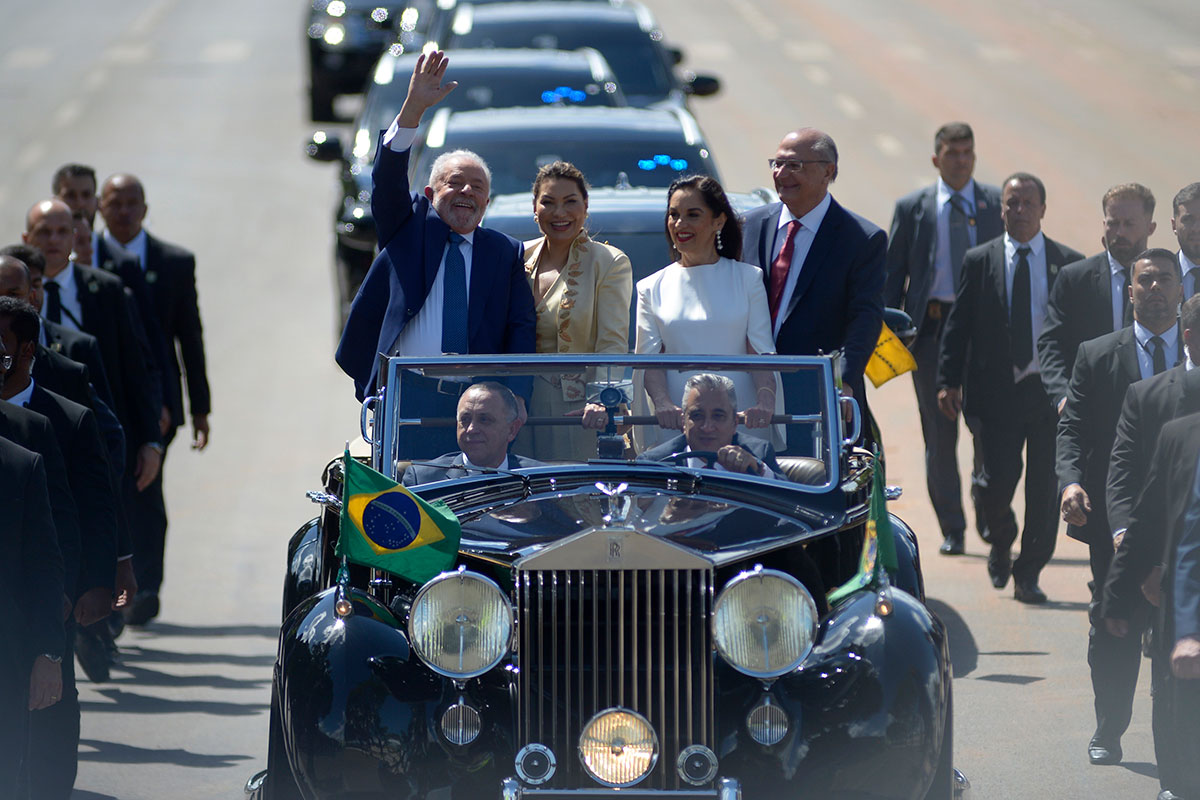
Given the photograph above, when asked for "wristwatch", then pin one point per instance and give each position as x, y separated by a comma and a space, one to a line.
52, 658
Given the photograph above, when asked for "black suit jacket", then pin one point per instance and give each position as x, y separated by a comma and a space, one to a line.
1155, 525
1147, 406
82, 348
838, 300
34, 432
1080, 308
1104, 370
31, 572
976, 343
450, 466
759, 448
68, 378
912, 244
108, 317
91, 486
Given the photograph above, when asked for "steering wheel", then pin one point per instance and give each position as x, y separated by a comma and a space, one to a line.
679, 459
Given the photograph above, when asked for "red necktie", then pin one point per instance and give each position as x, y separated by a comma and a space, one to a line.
779, 269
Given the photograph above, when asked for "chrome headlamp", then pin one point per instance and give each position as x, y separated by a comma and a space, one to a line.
618, 747
461, 624
764, 623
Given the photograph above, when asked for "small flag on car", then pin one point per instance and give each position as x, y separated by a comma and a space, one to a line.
891, 358
386, 526
878, 560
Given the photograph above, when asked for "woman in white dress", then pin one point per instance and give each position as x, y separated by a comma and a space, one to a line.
705, 303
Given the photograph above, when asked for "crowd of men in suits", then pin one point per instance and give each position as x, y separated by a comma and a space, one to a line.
1066, 369
98, 333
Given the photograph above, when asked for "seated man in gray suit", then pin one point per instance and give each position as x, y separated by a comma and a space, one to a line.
710, 424
487, 420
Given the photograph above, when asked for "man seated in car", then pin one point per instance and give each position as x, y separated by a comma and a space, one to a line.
710, 423
487, 420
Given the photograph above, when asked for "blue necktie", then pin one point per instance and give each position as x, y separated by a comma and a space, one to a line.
454, 299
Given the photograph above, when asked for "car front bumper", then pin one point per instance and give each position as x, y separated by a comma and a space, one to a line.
726, 789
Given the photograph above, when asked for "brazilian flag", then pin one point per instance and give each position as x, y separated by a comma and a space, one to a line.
879, 546
388, 527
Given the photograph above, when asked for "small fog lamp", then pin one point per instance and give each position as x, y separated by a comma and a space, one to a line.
767, 722
618, 747
460, 723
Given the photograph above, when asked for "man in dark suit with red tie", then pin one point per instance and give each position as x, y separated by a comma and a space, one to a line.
988, 368
1105, 367
440, 284
823, 265
1185, 223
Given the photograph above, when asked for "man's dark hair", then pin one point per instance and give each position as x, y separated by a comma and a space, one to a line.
28, 255
1028, 177
1191, 318
72, 171
1134, 190
1161, 256
23, 318
1186, 196
952, 132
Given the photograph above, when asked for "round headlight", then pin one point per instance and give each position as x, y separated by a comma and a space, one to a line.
764, 623
618, 747
460, 624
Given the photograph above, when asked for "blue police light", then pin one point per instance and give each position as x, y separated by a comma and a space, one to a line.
550, 97
578, 96
663, 160
563, 93
647, 164
678, 164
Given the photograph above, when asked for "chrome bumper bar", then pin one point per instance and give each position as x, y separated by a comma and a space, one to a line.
726, 789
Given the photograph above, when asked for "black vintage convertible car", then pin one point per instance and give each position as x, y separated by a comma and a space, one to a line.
619, 627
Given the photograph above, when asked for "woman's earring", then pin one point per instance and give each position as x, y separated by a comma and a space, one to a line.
718, 241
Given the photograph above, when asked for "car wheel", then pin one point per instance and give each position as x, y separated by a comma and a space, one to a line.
278, 783
942, 787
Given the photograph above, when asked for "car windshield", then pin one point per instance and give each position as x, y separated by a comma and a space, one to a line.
799, 445
638, 61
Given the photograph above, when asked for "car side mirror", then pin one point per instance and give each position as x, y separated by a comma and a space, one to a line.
900, 324
675, 54
322, 147
702, 85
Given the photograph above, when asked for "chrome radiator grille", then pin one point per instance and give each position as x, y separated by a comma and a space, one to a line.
594, 639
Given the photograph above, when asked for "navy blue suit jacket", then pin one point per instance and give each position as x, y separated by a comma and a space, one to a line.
412, 238
838, 301
759, 448
1187, 571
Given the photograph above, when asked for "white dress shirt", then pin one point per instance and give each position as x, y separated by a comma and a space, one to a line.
68, 295
1191, 275
22, 398
942, 286
1145, 350
469, 466
422, 336
136, 246
800, 247
1039, 291
1117, 277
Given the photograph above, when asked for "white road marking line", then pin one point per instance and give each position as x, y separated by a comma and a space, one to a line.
889, 145
816, 74
28, 58
849, 106
68, 113
760, 22
29, 156
711, 50
128, 54
148, 19
909, 51
95, 79
997, 53
228, 51
1184, 56
808, 51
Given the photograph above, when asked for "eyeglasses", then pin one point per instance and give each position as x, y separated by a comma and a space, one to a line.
6, 362
793, 165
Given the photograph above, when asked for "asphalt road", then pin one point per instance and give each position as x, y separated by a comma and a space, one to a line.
204, 102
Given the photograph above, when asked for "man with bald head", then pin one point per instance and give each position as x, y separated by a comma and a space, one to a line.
441, 284
823, 265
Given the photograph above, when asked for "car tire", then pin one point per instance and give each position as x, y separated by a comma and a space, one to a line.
279, 783
942, 787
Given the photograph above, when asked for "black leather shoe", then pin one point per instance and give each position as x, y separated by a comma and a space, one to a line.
143, 608
953, 545
999, 566
92, 654
1030, 592
1101, 753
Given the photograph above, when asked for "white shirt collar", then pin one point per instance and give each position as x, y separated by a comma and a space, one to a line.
22, 398
1143, 335
811, 220
944, 193
1036, 245
1185, 264
64, 279
468, 465
135, 247
1114, 266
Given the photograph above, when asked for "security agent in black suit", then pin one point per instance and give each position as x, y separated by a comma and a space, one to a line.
1182, 607
487, 420
932, 228
54, 733
1090, 298
988, 368
1104, 369
1155, 524
710, 420
31, 578
1185, 224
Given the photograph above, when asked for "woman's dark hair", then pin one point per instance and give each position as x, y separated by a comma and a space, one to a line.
718, 203
560, 169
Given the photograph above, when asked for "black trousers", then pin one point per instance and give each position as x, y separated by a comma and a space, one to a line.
14, 714
147, 514
1029, 426
52, 759
1113, 661
1171, 749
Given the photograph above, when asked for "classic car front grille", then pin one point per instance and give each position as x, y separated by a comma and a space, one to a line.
594, 639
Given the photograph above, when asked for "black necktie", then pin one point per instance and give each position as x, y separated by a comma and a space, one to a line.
1158, 356
1126, 307
53, 302
454, 299
960, 238
1020, 319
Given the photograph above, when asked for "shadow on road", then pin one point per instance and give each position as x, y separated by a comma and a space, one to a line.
128, 702
964, 653
127, 754
1141, 768
174, 629
150, 655
84, 794
149, 677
